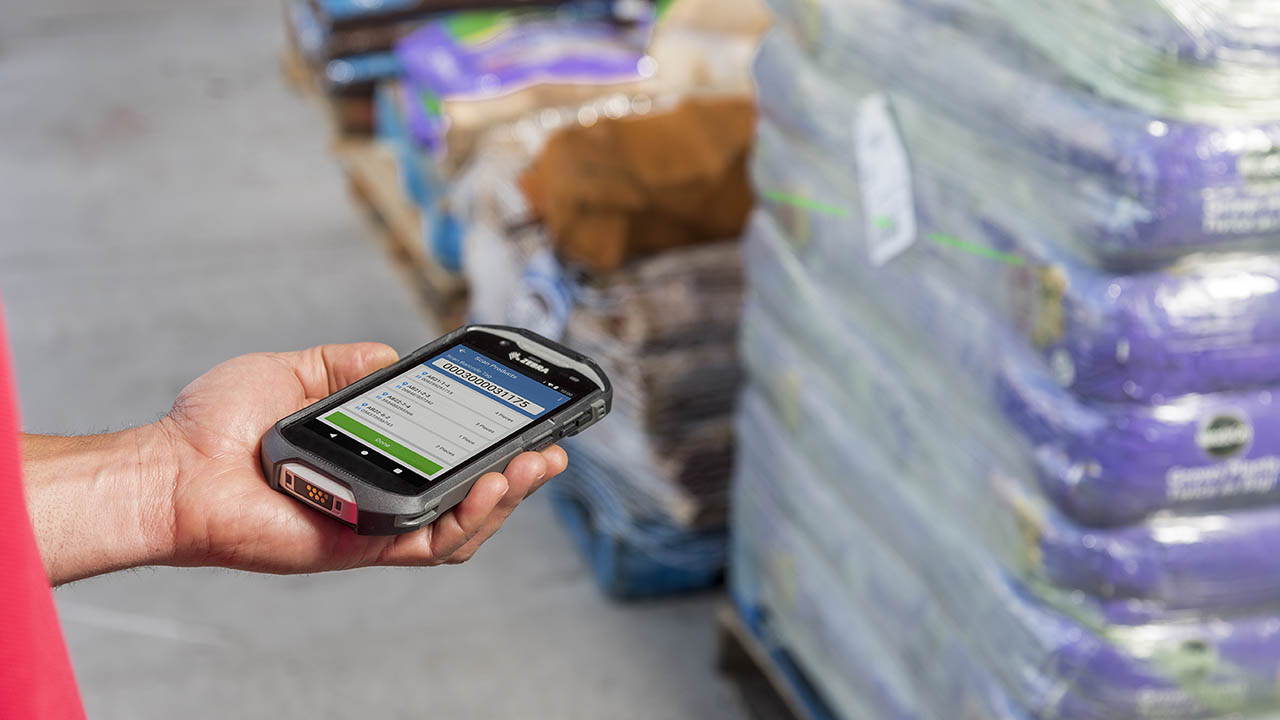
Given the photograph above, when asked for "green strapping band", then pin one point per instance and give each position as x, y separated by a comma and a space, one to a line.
969, 247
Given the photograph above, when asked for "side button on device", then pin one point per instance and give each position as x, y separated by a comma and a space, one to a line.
576, 424
420, 520
543, 440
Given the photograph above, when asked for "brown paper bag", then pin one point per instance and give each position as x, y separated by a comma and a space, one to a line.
630, 187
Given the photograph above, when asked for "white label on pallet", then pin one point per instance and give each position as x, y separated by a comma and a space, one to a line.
884, 176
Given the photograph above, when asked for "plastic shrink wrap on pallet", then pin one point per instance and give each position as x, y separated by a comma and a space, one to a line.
1179, 325
647, 488
1205, 324
1187, 58
951, 633
1132, 184
1009, 444
646, 493
1198, 451
989, 472
664, 329
1171, 617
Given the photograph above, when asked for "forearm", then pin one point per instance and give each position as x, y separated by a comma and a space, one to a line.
100, 503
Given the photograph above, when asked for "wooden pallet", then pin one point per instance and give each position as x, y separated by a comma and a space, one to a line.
768, 683
374, 184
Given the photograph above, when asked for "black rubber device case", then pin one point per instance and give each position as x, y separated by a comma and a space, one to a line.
381, 512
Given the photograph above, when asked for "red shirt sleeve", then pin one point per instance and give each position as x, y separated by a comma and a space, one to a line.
35, 672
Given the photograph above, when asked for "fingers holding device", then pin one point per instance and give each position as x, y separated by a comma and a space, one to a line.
393, 451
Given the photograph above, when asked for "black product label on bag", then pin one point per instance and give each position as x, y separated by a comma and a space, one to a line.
1224, 436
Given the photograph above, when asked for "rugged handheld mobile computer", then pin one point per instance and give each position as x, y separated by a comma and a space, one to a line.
394, 450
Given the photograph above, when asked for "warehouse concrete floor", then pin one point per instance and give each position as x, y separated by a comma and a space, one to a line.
166, 203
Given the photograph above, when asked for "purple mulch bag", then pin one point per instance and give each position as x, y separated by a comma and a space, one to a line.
480, 57
1125, 186
849, 543
1200, 324
832, 359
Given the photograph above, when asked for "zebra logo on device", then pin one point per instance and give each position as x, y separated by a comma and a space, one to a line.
528, 362
1224, 436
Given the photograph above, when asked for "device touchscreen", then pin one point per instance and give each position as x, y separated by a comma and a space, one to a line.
439, 414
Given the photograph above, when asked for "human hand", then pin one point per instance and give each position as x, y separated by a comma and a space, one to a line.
201, 498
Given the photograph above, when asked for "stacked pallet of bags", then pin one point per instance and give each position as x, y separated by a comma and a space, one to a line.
460, 73
1011, 440
347, 46
350, 45
470, 74
581, 213
646, 496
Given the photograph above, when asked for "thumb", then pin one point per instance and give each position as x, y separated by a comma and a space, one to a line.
326, 369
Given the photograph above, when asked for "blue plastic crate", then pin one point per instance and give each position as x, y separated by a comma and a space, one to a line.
632, 554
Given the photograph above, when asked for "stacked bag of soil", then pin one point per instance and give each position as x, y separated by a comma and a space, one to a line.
1010, 441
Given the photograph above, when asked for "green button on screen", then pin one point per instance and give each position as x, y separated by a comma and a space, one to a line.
378, 440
